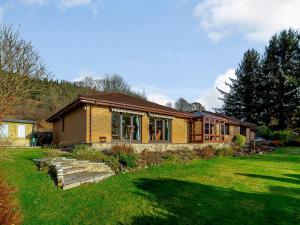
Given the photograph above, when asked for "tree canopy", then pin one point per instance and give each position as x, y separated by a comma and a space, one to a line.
267, 88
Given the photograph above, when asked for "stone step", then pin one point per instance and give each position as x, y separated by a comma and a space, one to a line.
76, 179
73, 170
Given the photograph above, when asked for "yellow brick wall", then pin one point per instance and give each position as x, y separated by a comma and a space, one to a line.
145, 129
100, 124
179, 131
13, 138
247, 134
233, 130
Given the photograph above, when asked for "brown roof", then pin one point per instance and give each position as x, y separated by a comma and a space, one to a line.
120, 100
230, 120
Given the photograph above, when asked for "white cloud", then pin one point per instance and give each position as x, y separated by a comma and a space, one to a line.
73, 3
160, 98
210, 96
256, 19
86, 73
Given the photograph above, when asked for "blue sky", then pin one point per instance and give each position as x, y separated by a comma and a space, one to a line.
168, 48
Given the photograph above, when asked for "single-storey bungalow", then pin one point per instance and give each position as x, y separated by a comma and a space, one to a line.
15, 132
112, 118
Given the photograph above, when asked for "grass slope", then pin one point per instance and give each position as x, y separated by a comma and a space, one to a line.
252, 190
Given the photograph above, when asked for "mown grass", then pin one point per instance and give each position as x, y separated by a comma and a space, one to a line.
262, 189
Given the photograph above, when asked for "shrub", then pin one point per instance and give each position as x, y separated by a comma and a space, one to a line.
53, 153
283, 135
122, 149
130, 160
206, 153
264, 131
239, 141
148, 158
226, 151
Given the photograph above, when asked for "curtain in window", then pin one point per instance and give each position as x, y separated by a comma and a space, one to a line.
137, 122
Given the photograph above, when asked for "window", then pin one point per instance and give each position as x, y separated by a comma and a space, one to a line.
243, 131
116, 125
159, 129
4, 130
227, 132
126, 127
152, 129
21, 131
214, 130
136, 135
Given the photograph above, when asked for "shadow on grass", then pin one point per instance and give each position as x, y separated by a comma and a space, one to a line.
272, 178
296, 176
180, 202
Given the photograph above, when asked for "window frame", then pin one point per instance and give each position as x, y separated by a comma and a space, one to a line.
121, 139
155, 119
2, 134
214, 129
18, 131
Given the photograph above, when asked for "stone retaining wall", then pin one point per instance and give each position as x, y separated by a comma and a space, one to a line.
160, 146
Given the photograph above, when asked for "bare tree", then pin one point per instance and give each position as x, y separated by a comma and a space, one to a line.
21, 69
115, 83
169, 104
182, 105
197, 106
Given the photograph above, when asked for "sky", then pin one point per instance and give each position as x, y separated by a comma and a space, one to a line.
166, 48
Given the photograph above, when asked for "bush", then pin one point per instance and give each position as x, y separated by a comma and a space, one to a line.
53, 153
226, 151
239, 141
264, 131
206, 153
148, 158
129, 160
127, 149
282, 135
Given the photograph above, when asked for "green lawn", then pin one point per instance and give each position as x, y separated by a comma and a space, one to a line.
252, 190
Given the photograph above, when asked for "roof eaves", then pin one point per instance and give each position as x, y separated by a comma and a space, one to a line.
134, 107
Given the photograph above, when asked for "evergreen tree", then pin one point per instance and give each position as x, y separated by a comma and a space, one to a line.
281, 73
242, 100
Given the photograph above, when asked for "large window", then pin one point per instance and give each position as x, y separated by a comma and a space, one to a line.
21, 131
126, 127
4, 130
116, 126
159, 129
243, 131
227, 132
214, 130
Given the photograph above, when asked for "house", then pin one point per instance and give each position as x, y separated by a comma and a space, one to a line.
15, 132
104, 119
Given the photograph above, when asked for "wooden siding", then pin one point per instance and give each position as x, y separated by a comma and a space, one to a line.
145, 129
100, 124
58, 135
179, 131
75, 128
198, 131
233, 130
